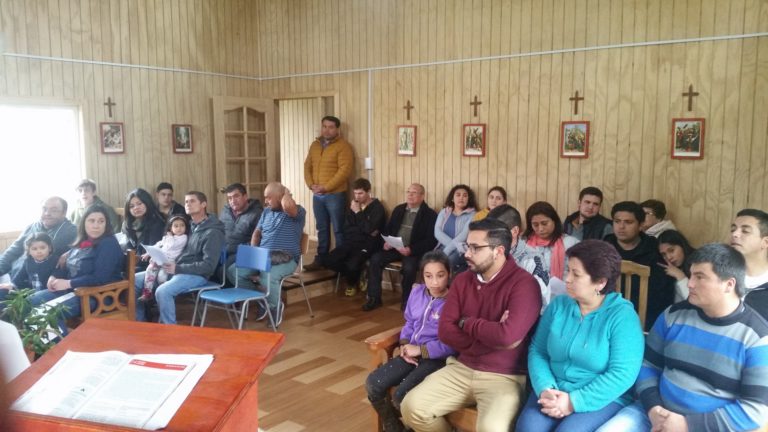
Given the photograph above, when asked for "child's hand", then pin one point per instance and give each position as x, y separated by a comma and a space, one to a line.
6, 286
145, 257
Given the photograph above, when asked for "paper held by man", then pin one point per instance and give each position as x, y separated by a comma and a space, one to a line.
141, 391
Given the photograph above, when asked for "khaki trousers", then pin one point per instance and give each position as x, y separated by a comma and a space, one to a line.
498, 398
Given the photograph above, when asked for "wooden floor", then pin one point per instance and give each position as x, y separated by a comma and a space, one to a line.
316, 382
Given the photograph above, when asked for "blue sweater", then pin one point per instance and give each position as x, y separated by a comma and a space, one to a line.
595, 359
93, 266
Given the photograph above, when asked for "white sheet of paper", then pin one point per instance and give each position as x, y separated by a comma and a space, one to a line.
157, 254
395, 242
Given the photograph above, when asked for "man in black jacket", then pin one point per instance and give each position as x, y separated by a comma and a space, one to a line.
587, 222
749, 235
414, 221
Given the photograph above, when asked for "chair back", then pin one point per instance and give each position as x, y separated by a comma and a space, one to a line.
304, 250
254, 258
116, 300
629, 269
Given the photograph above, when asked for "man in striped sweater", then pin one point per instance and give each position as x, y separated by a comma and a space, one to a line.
705, 358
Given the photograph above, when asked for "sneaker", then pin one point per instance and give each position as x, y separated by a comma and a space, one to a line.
371, 304
350, 291
313, 266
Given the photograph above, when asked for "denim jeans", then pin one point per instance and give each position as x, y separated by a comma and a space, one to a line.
73, 308
329, 210
631, 418
532, 419
274, 276
166, 293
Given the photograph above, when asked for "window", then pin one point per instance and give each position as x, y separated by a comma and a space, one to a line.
41, 156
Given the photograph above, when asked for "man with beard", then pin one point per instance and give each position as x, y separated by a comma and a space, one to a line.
488, 318
587, 222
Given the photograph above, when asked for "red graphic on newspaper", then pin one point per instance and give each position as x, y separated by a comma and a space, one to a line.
149, 364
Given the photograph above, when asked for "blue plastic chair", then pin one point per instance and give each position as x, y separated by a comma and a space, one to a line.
211, 285
248, 257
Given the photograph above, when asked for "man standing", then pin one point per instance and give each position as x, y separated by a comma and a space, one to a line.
88, 197
363, 224
165, 203
705, 362
279, 230
749, 235
196, 263
327, 169
53, 221
587, 222
634, 245
240, 216
414, 222
488, 318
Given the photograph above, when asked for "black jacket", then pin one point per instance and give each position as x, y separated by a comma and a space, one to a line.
423, 233
757, 299
363, 229
591, 228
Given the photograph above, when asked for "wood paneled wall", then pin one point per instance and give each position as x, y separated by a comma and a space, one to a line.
632, 94
216, 36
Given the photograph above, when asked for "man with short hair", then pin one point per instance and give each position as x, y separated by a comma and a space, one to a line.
196, 263
363, 224
239, 216
53, 221
88, 197
327, 168
279, 230
165, 203
634, 245
655, 212
587, 222
705, 362
414, 222
749, 235
488, 318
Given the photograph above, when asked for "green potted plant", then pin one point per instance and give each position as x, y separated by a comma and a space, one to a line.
38, 326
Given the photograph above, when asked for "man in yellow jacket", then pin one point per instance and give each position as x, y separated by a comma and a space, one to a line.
327, 169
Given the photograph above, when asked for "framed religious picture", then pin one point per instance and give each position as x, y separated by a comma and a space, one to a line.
112, 137
687, 138
473, 139
181, 137
574, 139
406, 140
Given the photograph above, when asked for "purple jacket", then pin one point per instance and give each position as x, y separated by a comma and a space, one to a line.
421, 317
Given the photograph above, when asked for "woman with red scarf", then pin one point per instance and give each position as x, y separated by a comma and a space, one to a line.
546, 242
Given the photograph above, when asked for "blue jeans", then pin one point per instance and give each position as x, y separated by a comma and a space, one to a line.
532, 419
631, 418
73, 307
274, 276
166, 293
329, 210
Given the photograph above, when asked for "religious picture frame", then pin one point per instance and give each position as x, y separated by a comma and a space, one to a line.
574, 139
406, 140
473, 139
181, 138
688, 138
112, 137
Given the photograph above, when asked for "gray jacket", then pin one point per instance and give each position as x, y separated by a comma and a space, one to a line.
201, 254
63, 235
238, 230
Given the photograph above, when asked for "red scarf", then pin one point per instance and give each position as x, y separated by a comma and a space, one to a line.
557, 259
86, 244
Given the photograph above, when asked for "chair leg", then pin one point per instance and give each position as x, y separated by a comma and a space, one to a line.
306, 297
194, 311
338, 280
244, 307
205, 310
269, 315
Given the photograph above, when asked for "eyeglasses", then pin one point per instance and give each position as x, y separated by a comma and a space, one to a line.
472, 249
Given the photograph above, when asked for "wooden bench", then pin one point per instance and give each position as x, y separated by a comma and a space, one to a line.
382, 346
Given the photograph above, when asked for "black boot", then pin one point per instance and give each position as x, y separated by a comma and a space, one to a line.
390, 422
371, 304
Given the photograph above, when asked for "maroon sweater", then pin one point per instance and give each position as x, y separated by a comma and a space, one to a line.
484, 344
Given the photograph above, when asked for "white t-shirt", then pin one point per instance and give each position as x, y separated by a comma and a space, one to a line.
755, 281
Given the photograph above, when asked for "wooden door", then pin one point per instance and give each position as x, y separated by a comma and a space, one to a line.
245, 143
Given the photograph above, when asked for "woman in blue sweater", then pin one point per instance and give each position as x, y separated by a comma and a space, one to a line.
452, 225
95, 259
587, 350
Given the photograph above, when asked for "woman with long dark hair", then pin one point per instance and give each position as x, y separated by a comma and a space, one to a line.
546, 241
452, 225
143, 224
675, 249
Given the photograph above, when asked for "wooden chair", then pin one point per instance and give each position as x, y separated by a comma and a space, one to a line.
116, 300
629, 269
382, 347
393, 271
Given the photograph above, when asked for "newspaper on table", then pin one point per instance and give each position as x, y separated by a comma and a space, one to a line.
141, 391
157, 254
395, 242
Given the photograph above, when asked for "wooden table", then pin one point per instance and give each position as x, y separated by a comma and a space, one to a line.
225, 399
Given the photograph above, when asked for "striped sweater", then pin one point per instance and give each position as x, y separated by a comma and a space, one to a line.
712, 371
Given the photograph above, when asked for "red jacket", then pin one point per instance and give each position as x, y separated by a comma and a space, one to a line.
484, 344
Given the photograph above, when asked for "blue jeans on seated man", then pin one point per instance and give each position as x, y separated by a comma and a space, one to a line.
166, 293
532, 419
631, 418
329, 210
274, 276
72, 305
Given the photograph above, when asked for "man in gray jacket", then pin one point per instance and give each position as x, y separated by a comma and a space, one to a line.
196, 263
240, 216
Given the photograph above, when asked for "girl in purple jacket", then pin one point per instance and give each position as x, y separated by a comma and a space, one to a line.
421, 352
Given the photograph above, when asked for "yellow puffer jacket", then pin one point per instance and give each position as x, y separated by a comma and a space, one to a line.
329, 167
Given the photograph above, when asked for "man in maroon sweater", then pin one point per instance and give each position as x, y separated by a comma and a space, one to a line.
488, 318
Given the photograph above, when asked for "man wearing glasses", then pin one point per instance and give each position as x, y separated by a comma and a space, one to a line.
53, 221
488, 318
